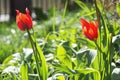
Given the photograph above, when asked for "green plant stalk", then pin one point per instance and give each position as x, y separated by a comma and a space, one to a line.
98, 14
46, 38
63, 16
110, 51
33, 44
42, 66
54, 21
99, 56
34, 51
108, 59
98, 47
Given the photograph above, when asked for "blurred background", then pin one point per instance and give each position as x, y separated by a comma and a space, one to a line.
8, 7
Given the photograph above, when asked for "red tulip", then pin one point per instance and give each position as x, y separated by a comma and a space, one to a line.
90, 29
24, 21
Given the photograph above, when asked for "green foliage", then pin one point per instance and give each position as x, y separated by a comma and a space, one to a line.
24, 71
63, 57
44, 68
59, 50
86, 57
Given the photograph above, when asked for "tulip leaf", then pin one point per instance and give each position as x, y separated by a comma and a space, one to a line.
62, 67
13, 59
43, 68
24, 71
86, 57
8, 59
63, 57
87, 71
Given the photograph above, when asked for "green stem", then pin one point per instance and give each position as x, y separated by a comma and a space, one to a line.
34, 51
54, 21
100, 59
97, 11
99, 16
98, 47
33, 44
111, 51
63, 16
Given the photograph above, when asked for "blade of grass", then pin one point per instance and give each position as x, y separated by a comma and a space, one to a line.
54, 21
63, 16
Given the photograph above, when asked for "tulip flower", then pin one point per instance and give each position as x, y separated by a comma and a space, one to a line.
24, 21
90, 29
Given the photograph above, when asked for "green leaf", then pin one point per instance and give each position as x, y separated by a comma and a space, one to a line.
41, 64
86, 57
13, 59
24, 71
115, 74
91, 56
60, 77
63, 68
89, 70
8, 59
61, 53
64, 13
43, 68
63, 57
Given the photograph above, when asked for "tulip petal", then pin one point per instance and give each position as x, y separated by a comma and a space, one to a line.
23, 20
90, 29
